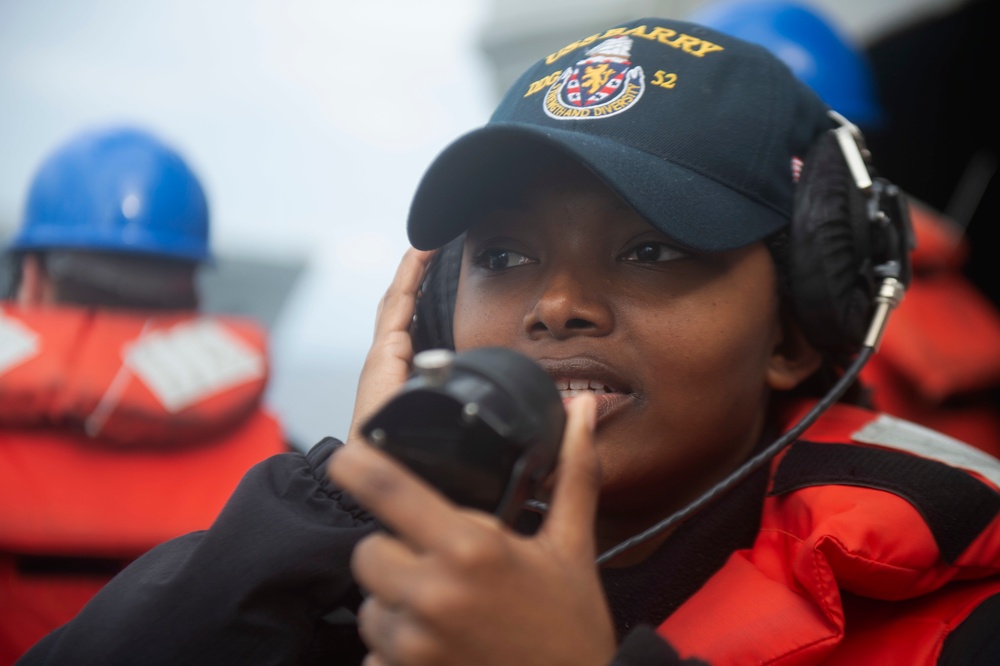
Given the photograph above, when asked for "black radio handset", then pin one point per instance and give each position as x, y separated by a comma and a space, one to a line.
483, 426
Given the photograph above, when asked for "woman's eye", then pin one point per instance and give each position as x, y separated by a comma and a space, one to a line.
497, 259
652, 251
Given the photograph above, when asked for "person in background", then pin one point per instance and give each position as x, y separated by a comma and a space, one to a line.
940, 360
126, 416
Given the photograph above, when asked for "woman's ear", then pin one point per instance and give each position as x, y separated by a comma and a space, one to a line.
793, 359
35, 287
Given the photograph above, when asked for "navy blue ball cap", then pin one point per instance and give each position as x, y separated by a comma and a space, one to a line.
703, 134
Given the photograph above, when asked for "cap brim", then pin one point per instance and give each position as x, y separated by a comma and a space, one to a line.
696, 211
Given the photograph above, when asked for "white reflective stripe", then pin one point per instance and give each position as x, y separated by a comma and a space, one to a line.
191, 361
895, 433
18, 343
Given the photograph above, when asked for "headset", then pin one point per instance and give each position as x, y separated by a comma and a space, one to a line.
850, 241
431, 326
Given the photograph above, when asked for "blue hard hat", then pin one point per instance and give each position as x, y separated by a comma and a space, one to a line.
117, 189
810, 44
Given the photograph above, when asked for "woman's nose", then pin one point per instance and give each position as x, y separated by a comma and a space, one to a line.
569, 304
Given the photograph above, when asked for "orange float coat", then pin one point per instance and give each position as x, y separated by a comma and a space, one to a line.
118, 431
860, 557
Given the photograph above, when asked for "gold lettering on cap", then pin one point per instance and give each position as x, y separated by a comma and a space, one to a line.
662, 35
707, 47
686, 43
639, 31
543, 83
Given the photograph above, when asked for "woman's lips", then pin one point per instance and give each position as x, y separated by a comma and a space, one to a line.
608, 404
578, 375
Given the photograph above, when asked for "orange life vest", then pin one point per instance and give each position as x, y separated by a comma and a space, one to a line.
845, 569
118, 431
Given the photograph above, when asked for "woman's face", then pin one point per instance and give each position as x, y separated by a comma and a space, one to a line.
680, 348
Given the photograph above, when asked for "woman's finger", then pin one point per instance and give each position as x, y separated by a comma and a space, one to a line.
391, 634
395, 309
376, 621
573, 508
387, 364
412, 509
384, 567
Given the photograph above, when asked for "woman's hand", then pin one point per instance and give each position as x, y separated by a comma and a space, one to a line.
452, 585
387, 364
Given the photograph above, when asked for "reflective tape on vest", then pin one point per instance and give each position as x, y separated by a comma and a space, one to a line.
18, 343
192, 361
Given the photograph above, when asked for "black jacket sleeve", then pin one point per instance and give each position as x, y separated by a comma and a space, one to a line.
252, 589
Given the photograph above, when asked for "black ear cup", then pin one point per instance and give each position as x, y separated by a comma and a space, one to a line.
832, 268
435, 309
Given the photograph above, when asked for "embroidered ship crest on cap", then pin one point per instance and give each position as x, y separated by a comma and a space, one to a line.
601, 85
